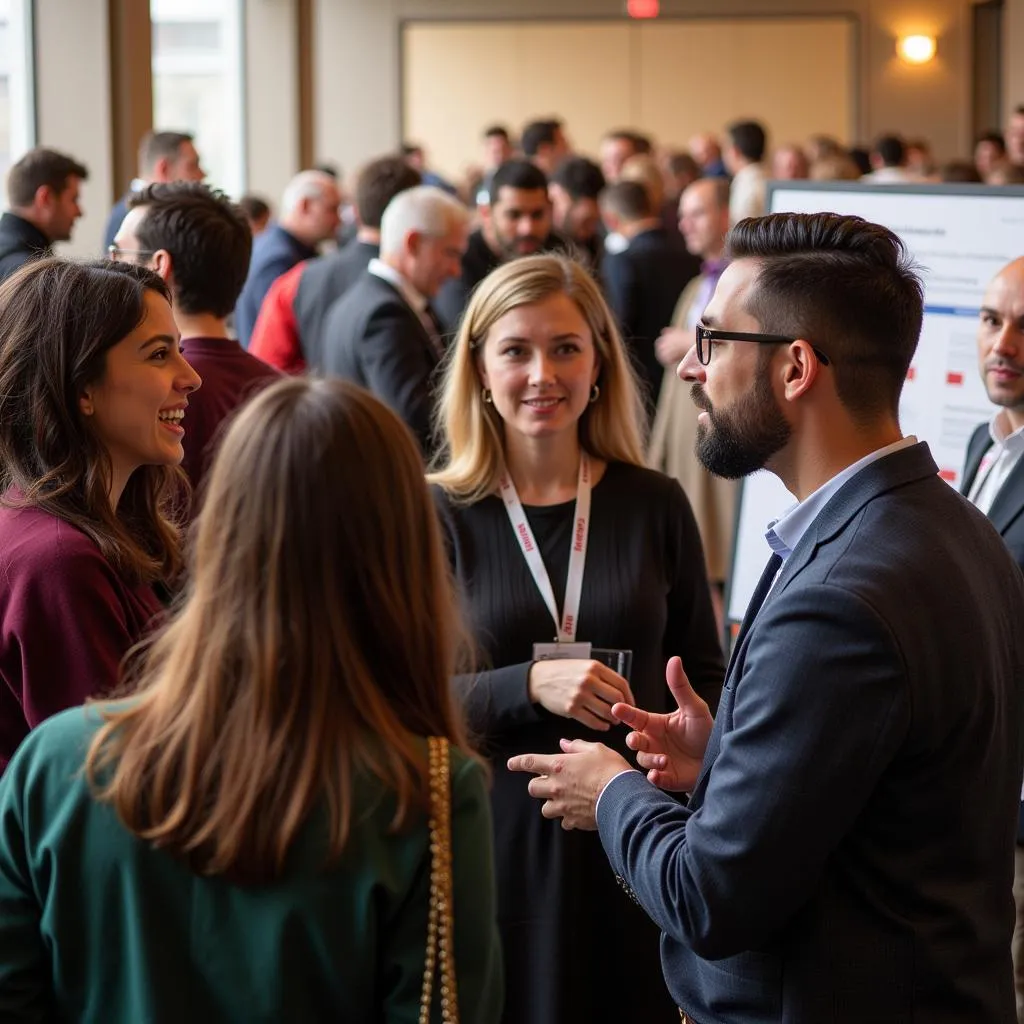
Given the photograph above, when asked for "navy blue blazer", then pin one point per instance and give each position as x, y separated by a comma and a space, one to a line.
847, 854
643, 284
375, 339
273, 253
1006, 515
117, 215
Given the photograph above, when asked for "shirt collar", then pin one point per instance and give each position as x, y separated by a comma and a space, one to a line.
386, 272
783, 534
1001, 434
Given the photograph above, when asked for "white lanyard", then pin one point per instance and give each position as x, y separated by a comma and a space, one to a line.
577, 553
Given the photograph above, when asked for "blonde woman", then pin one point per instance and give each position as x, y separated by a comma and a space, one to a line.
245, 840
564, 547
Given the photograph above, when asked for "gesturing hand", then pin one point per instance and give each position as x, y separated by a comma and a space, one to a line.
571, 782
579, 689
671, 747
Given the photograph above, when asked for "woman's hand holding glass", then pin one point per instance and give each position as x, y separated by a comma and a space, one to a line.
580, 689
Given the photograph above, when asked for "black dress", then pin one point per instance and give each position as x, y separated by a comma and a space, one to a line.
566, 926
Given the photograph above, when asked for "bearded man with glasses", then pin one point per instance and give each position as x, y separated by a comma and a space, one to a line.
846, 854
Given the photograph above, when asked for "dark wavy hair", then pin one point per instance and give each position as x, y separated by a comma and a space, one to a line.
58, 319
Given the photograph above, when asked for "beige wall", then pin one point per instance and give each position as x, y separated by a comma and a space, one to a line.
1013, 54
460, 76
72, 55
359, 58
272, 96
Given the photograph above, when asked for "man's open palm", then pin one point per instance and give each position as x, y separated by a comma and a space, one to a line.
670, 747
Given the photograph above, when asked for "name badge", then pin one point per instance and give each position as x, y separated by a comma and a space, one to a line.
552, 652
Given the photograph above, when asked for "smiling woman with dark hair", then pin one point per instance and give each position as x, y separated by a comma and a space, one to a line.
93, 388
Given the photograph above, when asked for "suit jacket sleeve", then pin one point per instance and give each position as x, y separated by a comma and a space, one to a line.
450, 302
275, 336
477, 946
618, 276
398, 368
819, 711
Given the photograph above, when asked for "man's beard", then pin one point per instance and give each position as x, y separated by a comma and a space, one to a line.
510, 247
737, 442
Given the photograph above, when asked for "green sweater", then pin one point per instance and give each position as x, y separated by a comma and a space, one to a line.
97, 927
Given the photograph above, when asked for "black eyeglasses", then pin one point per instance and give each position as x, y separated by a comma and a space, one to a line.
706, 335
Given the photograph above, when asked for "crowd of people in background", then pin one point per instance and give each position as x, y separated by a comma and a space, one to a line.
407, 409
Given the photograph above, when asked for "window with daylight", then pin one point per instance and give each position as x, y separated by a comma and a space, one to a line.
17, 93
198, 82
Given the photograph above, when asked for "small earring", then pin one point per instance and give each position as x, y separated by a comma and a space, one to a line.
486, 395
595, 393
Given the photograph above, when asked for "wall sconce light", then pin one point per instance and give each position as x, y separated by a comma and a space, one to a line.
916, 49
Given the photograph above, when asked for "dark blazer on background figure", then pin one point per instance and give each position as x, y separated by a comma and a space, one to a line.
847, 853
375, 339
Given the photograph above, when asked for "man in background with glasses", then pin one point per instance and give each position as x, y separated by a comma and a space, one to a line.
846, 854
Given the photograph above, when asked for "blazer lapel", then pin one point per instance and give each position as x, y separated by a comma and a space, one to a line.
1009, 502
764, 585
980, 443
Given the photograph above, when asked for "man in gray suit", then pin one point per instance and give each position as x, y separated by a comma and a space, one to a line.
846, 854
994, 476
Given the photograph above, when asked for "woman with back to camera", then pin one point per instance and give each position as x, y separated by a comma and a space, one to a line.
245, 839
563, 543
93, 388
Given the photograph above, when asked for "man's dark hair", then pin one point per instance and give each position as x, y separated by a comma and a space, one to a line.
207, 237
253, 207
683, 163
581, 178
749, 138
537, 134
628, 200
891, 150
960, 171
642, 144
378, 183
847, 286
39, 167
996, 138
520, 174
160, 146
496, 130
1019, 109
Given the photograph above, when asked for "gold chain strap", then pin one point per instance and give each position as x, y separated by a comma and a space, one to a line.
440, 924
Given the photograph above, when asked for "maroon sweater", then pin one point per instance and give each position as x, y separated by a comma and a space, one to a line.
66, 621
230, 376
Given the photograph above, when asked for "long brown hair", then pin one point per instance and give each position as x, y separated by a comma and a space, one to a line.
315, 643
611, 428
58, 319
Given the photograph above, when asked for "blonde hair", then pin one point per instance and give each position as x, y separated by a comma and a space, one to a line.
610, 428
314, 647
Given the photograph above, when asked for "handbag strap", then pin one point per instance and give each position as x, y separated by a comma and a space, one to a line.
440, 923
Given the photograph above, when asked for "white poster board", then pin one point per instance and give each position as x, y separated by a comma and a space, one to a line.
961, 235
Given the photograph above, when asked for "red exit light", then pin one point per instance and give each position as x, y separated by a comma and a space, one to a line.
643, 8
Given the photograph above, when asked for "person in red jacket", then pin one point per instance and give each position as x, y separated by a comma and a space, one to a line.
93, 393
